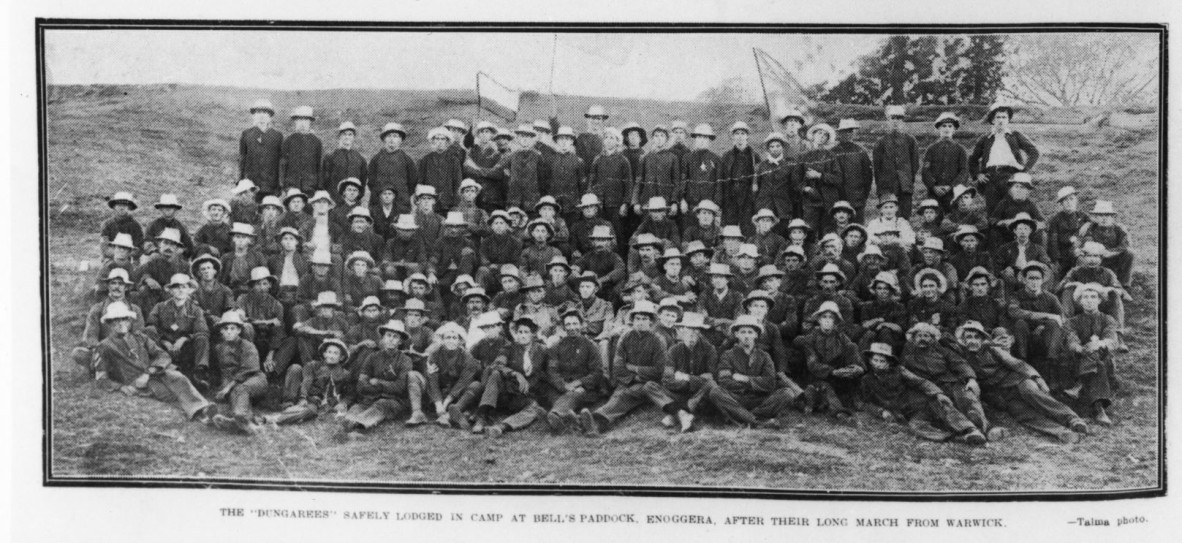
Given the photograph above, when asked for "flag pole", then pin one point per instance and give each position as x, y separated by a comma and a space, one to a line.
478, 104
553, 61
759, 68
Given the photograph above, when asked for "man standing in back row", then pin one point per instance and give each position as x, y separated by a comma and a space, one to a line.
259, 150
589, 144
1000, 154
896, 162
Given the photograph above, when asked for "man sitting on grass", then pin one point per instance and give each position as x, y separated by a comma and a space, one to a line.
514, 383
1012, 385
898, 395
927, 358
130, 362
323, 385
637, 368
388, 385
747, 390
243, 381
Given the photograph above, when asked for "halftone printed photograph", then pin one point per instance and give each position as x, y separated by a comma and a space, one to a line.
748, 261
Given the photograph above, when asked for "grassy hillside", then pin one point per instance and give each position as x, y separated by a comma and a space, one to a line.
183, 139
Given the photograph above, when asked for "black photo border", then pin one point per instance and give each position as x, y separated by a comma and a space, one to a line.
49, 479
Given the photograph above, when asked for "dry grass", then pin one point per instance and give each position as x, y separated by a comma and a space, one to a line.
183, 139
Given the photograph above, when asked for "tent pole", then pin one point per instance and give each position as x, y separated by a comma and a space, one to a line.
759, 68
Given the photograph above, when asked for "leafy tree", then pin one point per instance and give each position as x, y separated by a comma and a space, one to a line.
926, 70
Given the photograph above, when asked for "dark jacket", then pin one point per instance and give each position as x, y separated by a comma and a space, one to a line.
575, 358
757, 365
339, 165
567, 180
172, 322
525, 170
391, 369
779, 187
639, 358
259, 153
937, 364
588, 146
610, 178
1006, 255
125, 358
700, 169
898, 390
737, 177
827, 188
238, 360
1024, 151
945, 164
660, 175
896, 161
457, 370
301, 162
444, 172
396, 171
606, 264
857, 172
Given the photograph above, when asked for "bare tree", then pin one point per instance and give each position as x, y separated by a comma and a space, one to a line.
1098, 69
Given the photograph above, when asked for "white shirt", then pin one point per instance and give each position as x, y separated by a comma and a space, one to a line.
1020, 262
320, 239
906, 233
1001, 154
526, 363
289, 277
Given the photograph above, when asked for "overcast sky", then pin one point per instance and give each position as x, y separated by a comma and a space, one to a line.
669, 66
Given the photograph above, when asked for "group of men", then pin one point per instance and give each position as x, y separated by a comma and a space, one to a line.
507, 276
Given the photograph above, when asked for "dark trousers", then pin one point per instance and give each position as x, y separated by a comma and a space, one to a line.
1097, 373
834, 393
193, 354
241, 396
748, 408
287, 355
262, 340
967, 403
501, 391
293, 379
298, 413
628, 397
815, 216
372, 411
945, 201
570, 402
937, 419
996, 185
1033, 408
171, 387
690, 392
369, 415
1041, 343
1122, 265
